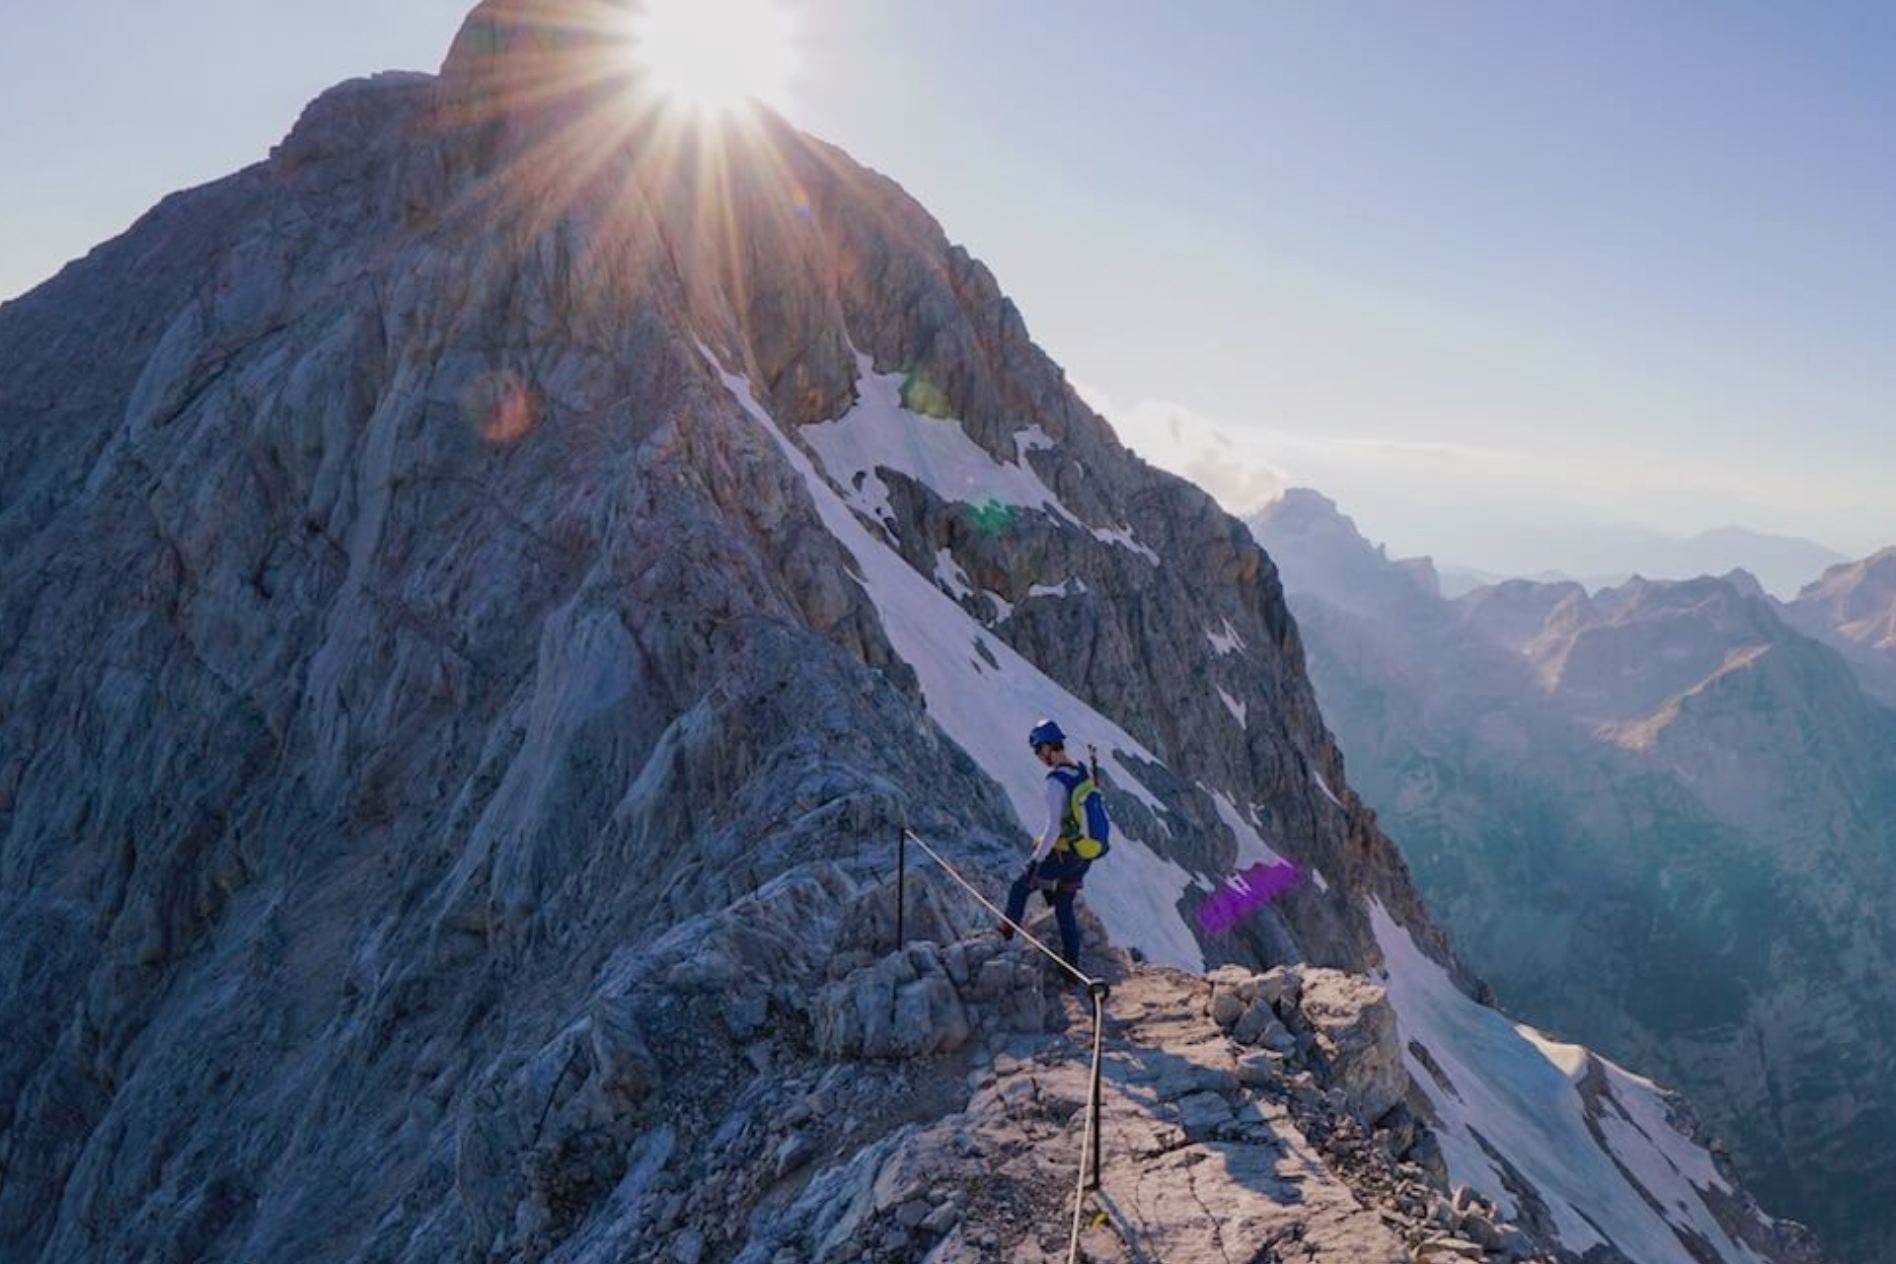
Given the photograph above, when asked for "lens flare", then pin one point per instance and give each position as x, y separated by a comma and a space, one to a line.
990, 517
500, 407
713, 56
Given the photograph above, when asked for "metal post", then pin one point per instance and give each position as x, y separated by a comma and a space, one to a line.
901, 885
1099, 991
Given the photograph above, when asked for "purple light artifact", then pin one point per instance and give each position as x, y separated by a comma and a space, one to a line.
1255, 887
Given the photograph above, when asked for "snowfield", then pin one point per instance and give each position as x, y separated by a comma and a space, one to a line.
880, 434
1508, 1088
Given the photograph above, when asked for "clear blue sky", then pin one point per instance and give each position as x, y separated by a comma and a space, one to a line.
1487, 273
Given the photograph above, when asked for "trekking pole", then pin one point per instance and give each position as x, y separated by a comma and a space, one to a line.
1092, 762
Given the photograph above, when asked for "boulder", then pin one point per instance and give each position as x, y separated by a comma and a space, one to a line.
1353, 1027
1282, 986
902, 1006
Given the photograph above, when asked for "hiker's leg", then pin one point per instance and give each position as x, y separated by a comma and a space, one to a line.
1069, 920
1067, 877
1017, 900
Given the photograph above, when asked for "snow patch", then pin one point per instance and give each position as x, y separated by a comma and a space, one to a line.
869, 496
1032, 439
1252, 849
1225, 641
879, 433
949, 575
1123, 537
1237, 709
1065, 588
985, 708
1519, 1090
1317, 776
1003, 608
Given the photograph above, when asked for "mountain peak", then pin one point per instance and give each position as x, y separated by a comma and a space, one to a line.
1852, 608
1322, 552
1306, 509
1878, 570
536, 48
1744, 581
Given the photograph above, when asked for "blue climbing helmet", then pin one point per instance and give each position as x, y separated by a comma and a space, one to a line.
1046, 733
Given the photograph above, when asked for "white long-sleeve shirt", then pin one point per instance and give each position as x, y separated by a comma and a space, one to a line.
1056, 817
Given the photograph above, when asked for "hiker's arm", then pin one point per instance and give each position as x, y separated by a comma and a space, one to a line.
1056, 812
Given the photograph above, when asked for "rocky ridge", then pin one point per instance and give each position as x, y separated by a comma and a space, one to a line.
931, 1104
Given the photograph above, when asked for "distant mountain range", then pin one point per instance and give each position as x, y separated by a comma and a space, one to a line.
1659, 817
1609, 557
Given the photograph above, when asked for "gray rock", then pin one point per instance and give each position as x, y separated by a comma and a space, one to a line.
1354, 1027
687, 1247
1515, 1244
1427, 1155
794, 1151
1201, 1113
1479, 1228
1227, 1007
1282, 987
627, 1069
1396, 1130
888, 1010
1259, 1067
1277, 1038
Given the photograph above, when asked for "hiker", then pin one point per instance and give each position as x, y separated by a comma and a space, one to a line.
1075, 835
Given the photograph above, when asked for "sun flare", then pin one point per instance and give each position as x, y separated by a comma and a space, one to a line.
711, 56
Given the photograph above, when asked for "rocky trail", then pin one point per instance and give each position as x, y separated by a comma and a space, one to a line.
1215, 1150
931, 1105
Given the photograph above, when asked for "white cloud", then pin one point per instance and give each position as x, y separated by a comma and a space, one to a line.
1510, 509
1230, 464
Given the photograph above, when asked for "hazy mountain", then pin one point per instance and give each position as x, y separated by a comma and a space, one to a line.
1658, 819
481, 593
1338, 564
1459, 581
1783, 564
1608, 556
1852, 608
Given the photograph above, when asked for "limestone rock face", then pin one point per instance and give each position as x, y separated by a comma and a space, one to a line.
458, 713
900, 1007
1354, 1028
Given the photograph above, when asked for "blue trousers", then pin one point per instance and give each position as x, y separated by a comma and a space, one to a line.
1058, 878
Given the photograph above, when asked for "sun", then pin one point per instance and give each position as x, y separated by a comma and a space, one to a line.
712, 56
